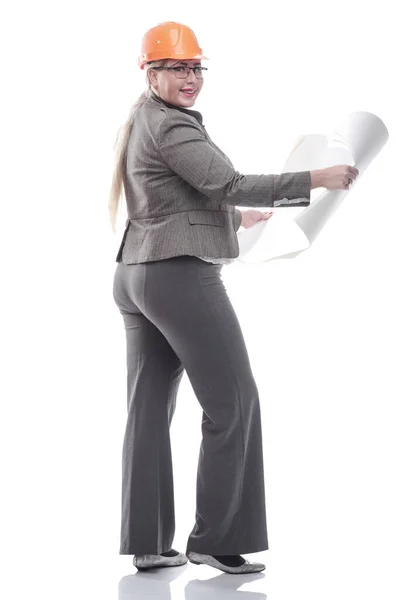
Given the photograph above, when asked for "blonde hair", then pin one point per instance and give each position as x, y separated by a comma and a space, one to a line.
121, 143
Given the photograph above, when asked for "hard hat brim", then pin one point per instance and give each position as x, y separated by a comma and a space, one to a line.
158, 56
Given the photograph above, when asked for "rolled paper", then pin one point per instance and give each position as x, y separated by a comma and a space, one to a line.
356, 141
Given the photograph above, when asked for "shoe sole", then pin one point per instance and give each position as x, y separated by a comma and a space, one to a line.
158, 567
194, 562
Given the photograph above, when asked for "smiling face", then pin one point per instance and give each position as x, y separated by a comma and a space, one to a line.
168, 87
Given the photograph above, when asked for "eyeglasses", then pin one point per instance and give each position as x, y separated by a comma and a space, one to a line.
183, 72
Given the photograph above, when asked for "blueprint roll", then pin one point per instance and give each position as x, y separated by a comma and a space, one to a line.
364, 134
356, 141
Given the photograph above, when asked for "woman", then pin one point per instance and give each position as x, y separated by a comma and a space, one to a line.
181, 192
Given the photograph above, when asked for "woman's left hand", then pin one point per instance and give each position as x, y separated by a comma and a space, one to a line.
252, 216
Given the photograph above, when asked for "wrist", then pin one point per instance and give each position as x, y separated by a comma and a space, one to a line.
317, 178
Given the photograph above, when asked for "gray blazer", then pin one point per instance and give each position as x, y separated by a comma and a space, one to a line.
181, 189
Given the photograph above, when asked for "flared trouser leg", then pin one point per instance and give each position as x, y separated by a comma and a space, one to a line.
178, 315
153, 376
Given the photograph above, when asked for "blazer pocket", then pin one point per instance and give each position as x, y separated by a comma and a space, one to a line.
206, 217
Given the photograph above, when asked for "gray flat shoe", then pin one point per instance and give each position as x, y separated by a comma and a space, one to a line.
206, 559
155, 561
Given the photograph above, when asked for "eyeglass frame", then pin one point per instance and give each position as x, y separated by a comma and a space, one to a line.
183, 67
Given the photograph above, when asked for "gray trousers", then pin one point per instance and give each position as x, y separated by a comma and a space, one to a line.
177, 315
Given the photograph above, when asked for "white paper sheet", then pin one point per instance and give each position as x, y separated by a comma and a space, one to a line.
355, 141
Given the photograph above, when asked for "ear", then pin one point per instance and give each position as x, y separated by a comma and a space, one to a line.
153, 77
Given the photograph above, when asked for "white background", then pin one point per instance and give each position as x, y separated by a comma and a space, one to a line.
327, 332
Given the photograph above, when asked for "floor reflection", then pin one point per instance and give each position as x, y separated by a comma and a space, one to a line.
157, 583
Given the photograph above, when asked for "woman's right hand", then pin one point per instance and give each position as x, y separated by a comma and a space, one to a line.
338, 177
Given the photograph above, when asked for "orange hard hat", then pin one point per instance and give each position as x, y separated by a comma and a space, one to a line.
170, 40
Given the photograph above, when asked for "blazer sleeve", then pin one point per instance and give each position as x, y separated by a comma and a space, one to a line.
186, 151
